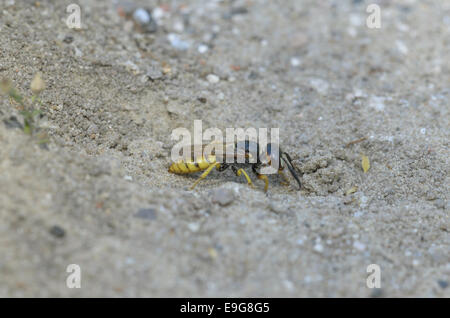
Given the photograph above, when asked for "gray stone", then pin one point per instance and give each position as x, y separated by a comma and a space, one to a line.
223, 197
146, 213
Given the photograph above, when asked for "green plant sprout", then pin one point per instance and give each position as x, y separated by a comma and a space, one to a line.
29, 110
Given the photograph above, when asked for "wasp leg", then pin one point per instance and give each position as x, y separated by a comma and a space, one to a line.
238, 172
205, 174
266, 180
286, 180
261, 177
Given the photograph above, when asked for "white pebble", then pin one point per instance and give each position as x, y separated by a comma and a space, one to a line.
288, 284
202, 48
194, 227
377, 102
177, 43
402, 48
130, 261
423, 131
78, 52
320, 85
295, 62
402, 27
128, 178
141, 16
131, 66
157, 13
213, 79
352, 32
356, 20
216, 28
359, 246
178, 26
318, 248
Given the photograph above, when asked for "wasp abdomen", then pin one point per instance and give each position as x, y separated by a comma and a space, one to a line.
189, 166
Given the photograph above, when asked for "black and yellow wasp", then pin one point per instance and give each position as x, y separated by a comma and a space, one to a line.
242, 155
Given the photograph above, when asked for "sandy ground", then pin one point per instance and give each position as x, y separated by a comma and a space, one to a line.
99, 195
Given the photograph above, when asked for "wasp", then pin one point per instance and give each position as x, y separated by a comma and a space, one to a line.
243, 154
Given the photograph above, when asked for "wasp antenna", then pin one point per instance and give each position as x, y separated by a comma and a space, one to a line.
291, 168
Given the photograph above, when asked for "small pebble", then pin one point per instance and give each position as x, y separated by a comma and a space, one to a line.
401, 47
158, 13
223, 197
202, 48
276, 207
177, 43
318, 248
37, 84
288, 284
443, 284
295, 62
141, 16
212, 252
194, 227
213, 79
78, 52
376, 293
149, 214
12, 122
144, 79
144, 19
356, 20
359, 246
439, 203
57, 231
130, 66
320, 85
377, 102
178, 26
68, 39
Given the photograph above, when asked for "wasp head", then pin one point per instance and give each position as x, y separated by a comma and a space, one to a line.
273, 154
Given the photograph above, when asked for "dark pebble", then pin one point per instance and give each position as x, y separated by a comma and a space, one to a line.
443, 284
68, 39
376, 293
253, 75
12, 122
44, 146
239, 10
57, 231
149, 214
